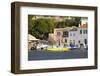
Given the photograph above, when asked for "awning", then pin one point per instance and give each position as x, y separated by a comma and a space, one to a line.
32, 38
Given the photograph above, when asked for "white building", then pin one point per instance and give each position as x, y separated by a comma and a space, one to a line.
77, 36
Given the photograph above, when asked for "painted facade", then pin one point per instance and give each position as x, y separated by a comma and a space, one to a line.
76, 36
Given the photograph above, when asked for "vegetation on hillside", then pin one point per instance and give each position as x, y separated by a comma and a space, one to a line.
42, 26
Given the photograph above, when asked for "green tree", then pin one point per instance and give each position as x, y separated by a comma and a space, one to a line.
40, 28
74, 21
31, 23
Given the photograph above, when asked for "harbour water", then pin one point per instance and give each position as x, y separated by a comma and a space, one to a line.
50, 55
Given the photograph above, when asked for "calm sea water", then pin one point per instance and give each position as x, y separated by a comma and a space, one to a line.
48, 55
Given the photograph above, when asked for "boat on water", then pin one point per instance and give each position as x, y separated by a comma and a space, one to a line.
53, 48
58, 49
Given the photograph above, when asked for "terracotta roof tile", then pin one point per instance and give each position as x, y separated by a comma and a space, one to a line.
83, 26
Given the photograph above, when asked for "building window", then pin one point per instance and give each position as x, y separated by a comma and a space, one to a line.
85, 41
70, 34
80, 31
70, 41
86, 31
58, 33
66, 40
79, 41
74, 42
73, 34
65, 34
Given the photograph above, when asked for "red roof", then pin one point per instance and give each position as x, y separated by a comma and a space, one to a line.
84, 26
